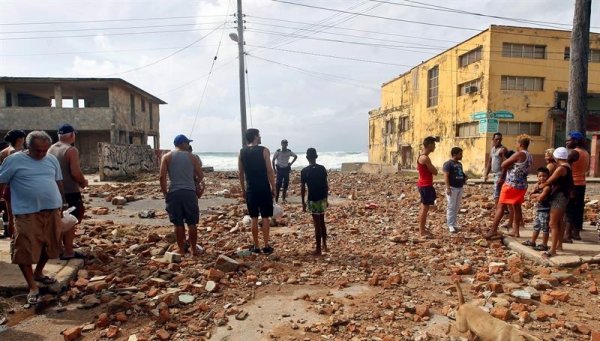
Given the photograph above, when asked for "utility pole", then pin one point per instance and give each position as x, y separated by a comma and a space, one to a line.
578, 70
242, 68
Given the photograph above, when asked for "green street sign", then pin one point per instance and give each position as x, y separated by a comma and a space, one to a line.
481, 115
503, 114
489, 125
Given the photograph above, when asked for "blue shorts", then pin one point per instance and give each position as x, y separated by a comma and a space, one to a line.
428, 195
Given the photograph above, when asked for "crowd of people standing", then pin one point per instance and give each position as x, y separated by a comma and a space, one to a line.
559, 194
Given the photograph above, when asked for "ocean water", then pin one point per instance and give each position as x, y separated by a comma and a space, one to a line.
331, 160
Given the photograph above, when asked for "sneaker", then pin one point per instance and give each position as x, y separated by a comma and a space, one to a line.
452, 229
254, 249
267, 250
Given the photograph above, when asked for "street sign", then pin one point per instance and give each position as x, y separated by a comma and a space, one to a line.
489, 125
481, 115
503, 114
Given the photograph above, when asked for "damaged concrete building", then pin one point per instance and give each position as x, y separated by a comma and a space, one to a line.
107, 110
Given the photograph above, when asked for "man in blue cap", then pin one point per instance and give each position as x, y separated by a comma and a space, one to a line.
184, 172
580, 166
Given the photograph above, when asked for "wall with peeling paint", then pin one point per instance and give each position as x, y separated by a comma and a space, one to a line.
406, 96
125, 160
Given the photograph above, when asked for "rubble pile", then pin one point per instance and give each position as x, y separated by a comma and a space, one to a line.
145, 294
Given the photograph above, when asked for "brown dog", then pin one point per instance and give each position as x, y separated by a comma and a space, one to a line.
472, 319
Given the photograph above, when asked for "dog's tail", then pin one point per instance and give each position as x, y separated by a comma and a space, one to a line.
461, 298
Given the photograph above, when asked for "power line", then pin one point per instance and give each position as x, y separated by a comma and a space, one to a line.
106, 28
212, 65
109, 20
248, 90
457, 11
417, 22
349, 29
109, 34
460, 11
331, 56
377, 16
94, 52
280, 41
425, 46
168, 56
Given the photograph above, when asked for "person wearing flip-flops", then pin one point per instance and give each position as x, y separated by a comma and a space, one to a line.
542, 211
562, 185
35, 179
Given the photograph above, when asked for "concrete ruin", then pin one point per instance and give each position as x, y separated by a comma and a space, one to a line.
108, 110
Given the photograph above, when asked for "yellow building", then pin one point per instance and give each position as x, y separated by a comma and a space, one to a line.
509, 79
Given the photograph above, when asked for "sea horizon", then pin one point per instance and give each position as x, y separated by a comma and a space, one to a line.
227, 161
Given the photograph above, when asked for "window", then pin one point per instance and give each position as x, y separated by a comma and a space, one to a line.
470, 129
470, 57
143, 104
150, 118
522, 83
523, 51
132, 104
403, 124
469, 87
517, 128
389, 127
432, 87
594, 56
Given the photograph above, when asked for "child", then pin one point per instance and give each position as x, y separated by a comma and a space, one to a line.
454, 178
542, 214
315, 177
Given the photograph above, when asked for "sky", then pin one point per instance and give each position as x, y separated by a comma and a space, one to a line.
314, 67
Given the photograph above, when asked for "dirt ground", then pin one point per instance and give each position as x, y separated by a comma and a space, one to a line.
379, 281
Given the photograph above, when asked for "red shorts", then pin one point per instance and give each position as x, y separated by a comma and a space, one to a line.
511, 196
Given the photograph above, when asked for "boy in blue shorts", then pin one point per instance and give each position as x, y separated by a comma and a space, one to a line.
314, 177
542, 212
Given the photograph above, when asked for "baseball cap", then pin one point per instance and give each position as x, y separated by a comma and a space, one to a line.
561, 153
179, 139
575, 135
65, 129
311, 153
284, 141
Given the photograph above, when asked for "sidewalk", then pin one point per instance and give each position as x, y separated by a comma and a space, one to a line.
13, 283
586, 250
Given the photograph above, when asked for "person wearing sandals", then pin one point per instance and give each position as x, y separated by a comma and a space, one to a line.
542, 212
73, 181
497, 156
314, 176
179, 175
35, 179
425, 183
514, 188
580, 166
561, 182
